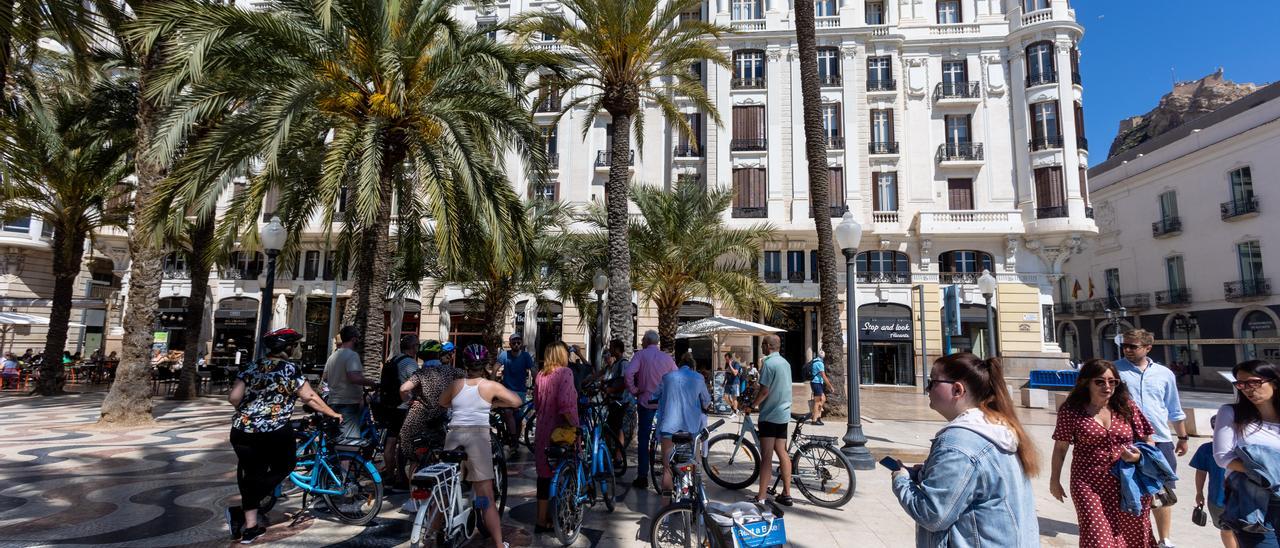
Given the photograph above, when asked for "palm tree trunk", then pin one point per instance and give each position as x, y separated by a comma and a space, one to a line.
668, 325
129, 401
68, 249
820, 201
616, 192
199, 267
372, 273
496, 305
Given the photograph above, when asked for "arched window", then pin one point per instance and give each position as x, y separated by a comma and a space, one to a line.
966, 261
1259, 325
1041, 68
884, 267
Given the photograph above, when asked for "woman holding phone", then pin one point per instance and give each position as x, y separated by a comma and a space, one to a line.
974, 489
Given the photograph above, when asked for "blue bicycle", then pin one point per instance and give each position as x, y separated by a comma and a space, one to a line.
339, 473
583, 475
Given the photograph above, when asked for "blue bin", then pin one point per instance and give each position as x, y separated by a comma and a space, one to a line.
1064, 379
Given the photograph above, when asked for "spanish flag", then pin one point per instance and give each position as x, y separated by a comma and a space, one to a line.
1090, 287
1075, 291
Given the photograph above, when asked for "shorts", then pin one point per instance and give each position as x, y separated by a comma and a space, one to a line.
614, 417
352, 416
476, 442
733, 388
392, 419
1215, 515
1166, 447
772, 430
818, 389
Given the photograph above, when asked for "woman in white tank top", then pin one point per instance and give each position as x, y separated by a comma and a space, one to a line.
469, 401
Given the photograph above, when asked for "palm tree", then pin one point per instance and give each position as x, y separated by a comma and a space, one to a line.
625, 52
23, 23
64, 159
682, 249
381, 98
819, 197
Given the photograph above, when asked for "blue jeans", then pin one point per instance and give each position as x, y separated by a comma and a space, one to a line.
644, 447
1262, 540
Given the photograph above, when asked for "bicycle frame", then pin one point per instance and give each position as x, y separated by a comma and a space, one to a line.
444, 501
319, 468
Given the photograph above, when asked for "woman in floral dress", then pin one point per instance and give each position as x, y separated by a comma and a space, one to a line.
1103, 423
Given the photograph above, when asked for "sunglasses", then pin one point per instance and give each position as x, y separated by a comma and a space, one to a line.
1250, 385
1128, 346
1106, 382
934, 382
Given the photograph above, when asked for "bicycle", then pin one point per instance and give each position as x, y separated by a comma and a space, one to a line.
339, 474
442, 495
818, 468
427, 456
583, 475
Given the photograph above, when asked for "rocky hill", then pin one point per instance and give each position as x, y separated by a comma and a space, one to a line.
1187, 101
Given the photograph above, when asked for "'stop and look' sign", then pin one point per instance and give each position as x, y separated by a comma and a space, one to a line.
884, 329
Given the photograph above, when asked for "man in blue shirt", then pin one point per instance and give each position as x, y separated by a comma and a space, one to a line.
821, 385
517, 363
773, 399
682, 401
1154, 388
1207, 468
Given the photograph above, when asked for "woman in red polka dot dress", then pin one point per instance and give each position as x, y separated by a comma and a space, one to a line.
1102, 423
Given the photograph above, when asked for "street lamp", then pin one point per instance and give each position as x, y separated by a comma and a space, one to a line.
848, 235
1114, 318
272, 236
599, 283
987, 285
1186, 323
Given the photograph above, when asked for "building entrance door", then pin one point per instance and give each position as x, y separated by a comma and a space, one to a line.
887, 363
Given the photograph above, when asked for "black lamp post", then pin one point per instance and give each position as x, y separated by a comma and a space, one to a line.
1186, 323
987, 285
848, 234
272, 236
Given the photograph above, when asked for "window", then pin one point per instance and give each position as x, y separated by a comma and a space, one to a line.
966, 261
1259, 325
748, 128
1051, 199
835, 191
548, 191
270, 203
342, 199
18, 224
875, 13
881, 126
1242, 185
795, 266
1075, 66
691, 143
881, 262
549, 138
1174, 273
749, 192
247, 265
954, 74
1169, 205
879, 73
948, 12
311, 266
824, 8
1250, 255
831, 125
1111, 278
748, 69
886, 195
1033, 5
772, 266
957, 127
1045, 132
813, 265
548, 94
329, 257
747, 10
1040, 64
492, 32
960, 194
829, 66
174, 263
1082, 143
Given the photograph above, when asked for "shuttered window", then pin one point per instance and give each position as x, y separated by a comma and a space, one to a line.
1050, 192
960, 194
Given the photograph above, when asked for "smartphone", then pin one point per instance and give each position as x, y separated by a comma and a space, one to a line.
891, 463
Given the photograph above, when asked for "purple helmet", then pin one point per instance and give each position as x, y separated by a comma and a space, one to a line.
475, 356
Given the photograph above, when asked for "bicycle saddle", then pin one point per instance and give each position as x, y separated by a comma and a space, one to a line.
451, 455
681, 437
801, 418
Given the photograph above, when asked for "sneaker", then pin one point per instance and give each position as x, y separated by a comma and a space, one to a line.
409, 507
235, 521
818, 423
783, 500
640, 483
1165, 543
251, 534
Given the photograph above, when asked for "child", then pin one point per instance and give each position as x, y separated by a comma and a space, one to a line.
1204, 464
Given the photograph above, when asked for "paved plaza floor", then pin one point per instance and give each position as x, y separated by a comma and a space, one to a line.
64, 482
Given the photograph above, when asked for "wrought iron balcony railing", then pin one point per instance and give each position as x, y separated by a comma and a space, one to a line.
1167, 226
1246, 290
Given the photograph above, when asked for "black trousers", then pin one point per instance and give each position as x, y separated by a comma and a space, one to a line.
265, 459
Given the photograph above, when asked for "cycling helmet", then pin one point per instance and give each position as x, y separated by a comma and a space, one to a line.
431, 346
280, 339
446, 347
474, 356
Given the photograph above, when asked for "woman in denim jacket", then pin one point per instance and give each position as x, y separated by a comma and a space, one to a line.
974, 488
1254, 420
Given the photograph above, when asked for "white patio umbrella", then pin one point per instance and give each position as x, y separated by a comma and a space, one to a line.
719, 328
280, 314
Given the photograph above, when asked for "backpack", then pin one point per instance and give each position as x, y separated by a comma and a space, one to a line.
389, 389
810, 371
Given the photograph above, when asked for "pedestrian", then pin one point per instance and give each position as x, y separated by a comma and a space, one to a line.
1207, 468
425, 424
1101, 420
732, 385
648, 365
264, 395
820, 384
773, 400
557, 407
1253, 421
392, 409
9, 371
580, 367
1154, 388
469, 401
615, 387
682, 403
974, 489
344, 375
517, 365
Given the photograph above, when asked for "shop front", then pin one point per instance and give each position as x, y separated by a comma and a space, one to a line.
234, 323
171, 320
1258, 331
885, 344
973, 330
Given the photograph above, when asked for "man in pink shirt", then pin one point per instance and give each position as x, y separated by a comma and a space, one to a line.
644, 375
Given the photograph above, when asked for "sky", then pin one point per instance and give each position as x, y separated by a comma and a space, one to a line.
1130, 47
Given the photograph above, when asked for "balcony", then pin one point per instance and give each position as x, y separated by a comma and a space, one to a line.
747, 83
956, 92
1075, 78
177, 275
830, 81
747, 24
1082, 144
1136, 301
1052, 212
1064, 309
955, 28
882, 147
960, 154
884, 217
835, 142
1168, 226
826, 22
1239, 209
549, 104
971, 222
952, 278
795, 277
1042, 78
1173, 298
895, 278
1247, 290
1088, 212
748, 144
1045, 143
750, 212
553, 160
687, 151
772, 277
604, 159
1091, 307
882, 85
